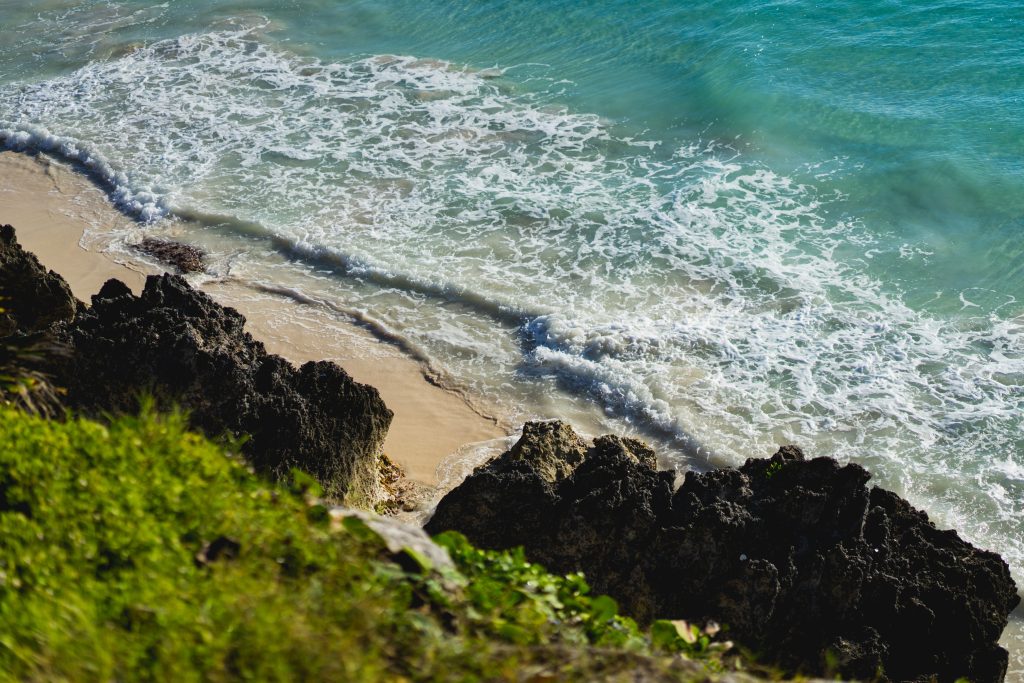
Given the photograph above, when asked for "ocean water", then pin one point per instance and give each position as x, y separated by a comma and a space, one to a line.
720, 226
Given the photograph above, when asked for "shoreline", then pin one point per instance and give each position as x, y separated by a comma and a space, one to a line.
52, 206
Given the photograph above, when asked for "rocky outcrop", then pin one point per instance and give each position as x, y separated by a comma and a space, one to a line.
182, 347
185, 257
805, 564
32, 297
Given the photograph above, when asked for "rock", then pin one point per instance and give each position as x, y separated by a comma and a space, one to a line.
399, 537
182, 347
186, 350
803, 562
518, 499
553, 449
185, 257
32, 298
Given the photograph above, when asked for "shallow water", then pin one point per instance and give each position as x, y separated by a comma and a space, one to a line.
722, 227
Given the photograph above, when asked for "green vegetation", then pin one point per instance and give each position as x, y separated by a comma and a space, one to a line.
135, 550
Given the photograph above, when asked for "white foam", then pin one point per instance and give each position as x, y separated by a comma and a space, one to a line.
141, 203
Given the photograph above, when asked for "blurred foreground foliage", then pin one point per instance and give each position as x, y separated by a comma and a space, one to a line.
136, 550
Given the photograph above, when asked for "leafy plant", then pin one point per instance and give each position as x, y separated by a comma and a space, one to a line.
527, 605
689, 639
135, 550
523, 600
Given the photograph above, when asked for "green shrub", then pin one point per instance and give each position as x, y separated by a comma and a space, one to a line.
135, 550
529, 606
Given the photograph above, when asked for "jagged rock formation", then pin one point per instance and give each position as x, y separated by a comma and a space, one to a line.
805, 564
32, 297
186, 349
178, 345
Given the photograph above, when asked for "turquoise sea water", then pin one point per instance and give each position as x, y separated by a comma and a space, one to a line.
720, 225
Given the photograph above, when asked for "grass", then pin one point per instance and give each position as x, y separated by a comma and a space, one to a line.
108, 571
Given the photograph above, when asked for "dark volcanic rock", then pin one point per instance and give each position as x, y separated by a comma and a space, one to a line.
803, 562
32, 297
181, 346
184, 257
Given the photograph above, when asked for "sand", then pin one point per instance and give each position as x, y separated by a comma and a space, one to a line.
51, 206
